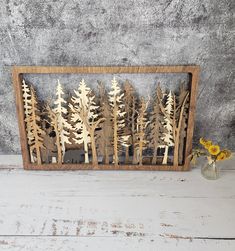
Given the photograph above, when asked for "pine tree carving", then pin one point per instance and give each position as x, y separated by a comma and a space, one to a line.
81, 134
63, 127
26, 93
105, 135
33, 120
173, 115
84, 112
141, 136
156, 126
130, 108
118, 119
168, 135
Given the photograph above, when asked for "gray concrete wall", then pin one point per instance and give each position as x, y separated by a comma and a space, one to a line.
137, 32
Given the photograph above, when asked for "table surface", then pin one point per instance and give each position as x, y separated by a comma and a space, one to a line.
116, 210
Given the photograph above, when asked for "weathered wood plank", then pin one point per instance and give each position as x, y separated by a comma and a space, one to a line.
116, 204
114, 244
15, 162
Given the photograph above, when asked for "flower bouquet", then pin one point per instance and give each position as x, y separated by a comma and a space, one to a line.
213, 154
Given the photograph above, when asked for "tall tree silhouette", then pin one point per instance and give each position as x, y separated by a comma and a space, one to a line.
81, 134
130, 108
33, 120
141, 136
178, 123
183, 130
118, 119
105, 135
168, 135
173, 115
27, 111
62, 123
85, 111
156, 125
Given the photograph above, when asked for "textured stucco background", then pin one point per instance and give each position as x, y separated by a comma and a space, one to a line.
137, 32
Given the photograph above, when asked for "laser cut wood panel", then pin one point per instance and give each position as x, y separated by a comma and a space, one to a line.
131, 122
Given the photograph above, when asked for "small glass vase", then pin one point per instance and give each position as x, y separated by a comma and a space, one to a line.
210, 171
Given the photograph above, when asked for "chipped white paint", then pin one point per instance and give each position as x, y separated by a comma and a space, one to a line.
115, 210
114, 244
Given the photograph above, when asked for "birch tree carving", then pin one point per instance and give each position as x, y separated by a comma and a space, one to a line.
84, 113
156, 126
62, 126
33, 120
168, 136
177, 127
183, 130
141, 137
81, 134
118, 119
105, 135
173, 117
27, 110
130, 108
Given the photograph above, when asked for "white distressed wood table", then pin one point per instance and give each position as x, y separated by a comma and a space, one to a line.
112, 210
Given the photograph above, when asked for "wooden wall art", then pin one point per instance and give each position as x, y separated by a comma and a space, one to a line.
114, 128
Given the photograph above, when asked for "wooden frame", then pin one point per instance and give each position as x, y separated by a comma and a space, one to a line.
17, 72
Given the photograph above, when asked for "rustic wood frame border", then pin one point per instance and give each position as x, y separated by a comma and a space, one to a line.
17, 72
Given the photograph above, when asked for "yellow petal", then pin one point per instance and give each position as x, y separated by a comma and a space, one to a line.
202, 141
221, 156
208, 144
214, 149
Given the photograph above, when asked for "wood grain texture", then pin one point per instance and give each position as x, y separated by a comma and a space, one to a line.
124, 210
105, 69
17, 71
191, 115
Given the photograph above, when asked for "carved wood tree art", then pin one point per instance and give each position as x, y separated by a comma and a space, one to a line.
116, 128
118, 115
168, 135
105, 135
173, 121
142, 123
81, 134
130, 108
26, 93
55, 123
178, 125
33, 120
49, 151
182, 94
62, 126
86, 112
156, 126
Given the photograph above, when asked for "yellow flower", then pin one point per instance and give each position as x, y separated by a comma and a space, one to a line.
202, 141
205, 143
214, 149
221, 156
227, 153
208, 144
